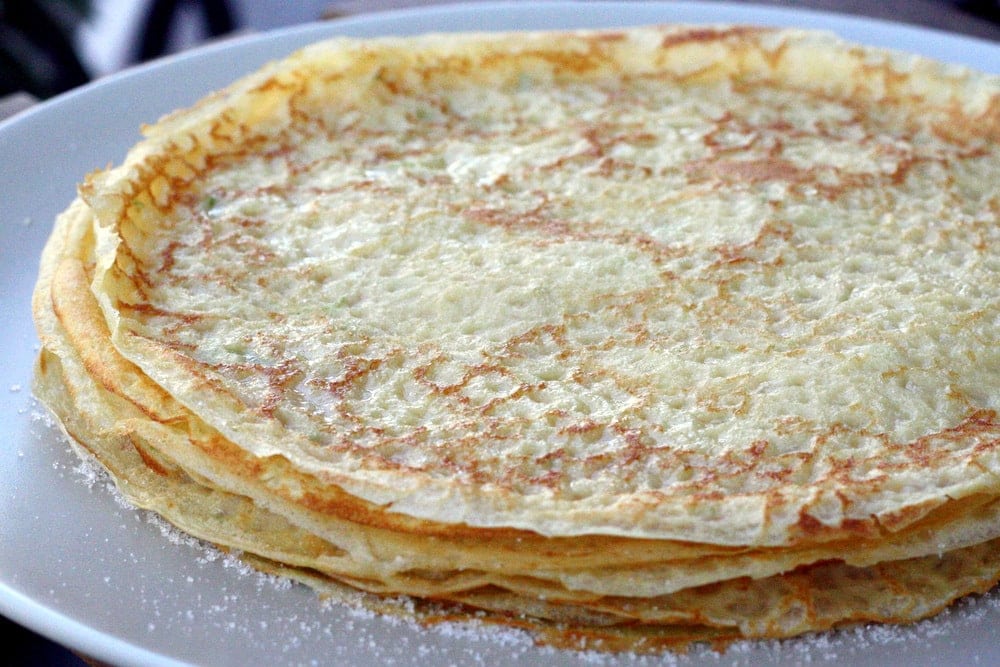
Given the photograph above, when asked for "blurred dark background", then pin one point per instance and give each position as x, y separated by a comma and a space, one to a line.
50, 46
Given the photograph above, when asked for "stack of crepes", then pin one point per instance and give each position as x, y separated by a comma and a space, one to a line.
629, 339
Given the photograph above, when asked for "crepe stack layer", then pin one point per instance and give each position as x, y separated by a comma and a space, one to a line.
629, 339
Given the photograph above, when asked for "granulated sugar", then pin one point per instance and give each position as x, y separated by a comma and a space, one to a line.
287, 623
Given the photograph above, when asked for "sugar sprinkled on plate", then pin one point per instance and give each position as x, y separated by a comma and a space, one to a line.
356, 626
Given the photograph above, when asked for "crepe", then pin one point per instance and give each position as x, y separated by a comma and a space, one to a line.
639, 338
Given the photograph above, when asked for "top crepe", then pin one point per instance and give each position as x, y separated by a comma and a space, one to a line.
722, 285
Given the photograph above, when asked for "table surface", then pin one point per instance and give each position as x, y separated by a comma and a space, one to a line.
25, 648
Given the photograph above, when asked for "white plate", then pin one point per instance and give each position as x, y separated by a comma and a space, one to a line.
104, 579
